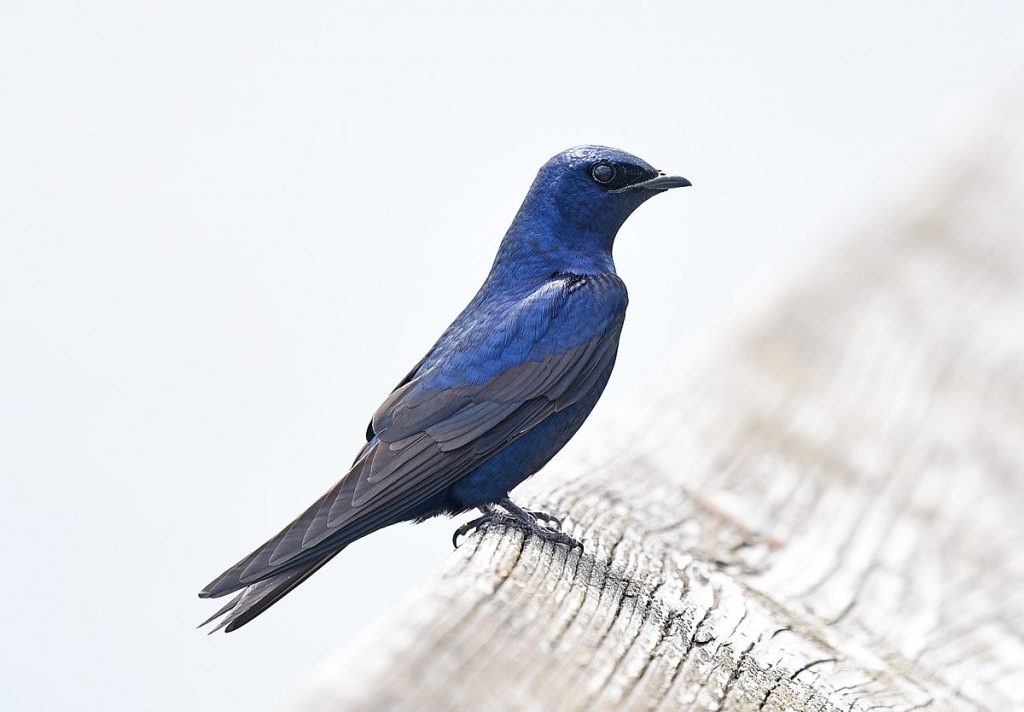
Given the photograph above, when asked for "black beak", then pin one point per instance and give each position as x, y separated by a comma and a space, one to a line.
663, 182
658, 182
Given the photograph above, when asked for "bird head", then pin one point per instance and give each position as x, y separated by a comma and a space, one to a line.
574, 210
593, 189
594, 185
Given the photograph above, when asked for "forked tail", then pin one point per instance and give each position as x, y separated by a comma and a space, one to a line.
255, 599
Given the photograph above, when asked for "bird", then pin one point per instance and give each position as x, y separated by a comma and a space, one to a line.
503, 389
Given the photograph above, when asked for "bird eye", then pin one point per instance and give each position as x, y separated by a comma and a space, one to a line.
603, 172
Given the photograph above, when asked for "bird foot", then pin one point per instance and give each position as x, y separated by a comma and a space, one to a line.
523, 519
546, 533
473, 524
555, 522
530, 522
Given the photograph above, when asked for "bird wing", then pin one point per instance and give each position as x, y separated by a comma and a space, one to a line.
477, 391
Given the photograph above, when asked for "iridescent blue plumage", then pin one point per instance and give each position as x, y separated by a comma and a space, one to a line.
500, 393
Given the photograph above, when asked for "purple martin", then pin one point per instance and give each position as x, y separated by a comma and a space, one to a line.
504, 388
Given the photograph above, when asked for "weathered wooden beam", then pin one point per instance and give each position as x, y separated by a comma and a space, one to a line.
828, 515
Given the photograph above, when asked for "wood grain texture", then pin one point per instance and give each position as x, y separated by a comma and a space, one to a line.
827, 515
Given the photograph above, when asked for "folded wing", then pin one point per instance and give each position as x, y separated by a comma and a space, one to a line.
546, 352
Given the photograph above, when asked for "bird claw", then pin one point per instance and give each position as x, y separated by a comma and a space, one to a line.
556, 522
530, 521
474, 524
526, 520
554, 532
554, 535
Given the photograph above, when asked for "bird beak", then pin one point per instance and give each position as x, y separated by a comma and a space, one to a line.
663, 182
659, 182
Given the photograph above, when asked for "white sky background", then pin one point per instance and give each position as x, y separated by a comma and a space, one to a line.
227, 230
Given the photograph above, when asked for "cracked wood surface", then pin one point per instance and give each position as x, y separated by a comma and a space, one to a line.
829, 515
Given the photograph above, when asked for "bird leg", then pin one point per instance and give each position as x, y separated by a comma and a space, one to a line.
527, 520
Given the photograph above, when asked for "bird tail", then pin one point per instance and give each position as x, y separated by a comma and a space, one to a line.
255, 599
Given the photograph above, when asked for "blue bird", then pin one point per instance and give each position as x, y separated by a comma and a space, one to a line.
504, 388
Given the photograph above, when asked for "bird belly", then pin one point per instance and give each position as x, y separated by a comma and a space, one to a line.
497, 476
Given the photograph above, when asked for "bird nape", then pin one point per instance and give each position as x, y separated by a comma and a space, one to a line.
504, 388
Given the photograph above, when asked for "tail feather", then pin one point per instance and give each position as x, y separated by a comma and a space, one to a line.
260, 596
227, 607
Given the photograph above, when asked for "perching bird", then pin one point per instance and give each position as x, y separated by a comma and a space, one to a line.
504, 388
